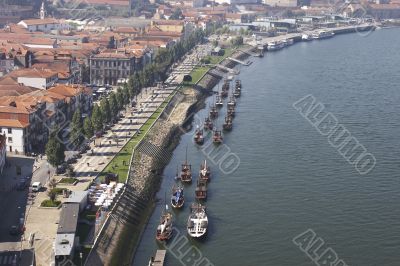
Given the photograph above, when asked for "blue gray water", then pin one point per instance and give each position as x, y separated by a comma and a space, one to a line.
289, 178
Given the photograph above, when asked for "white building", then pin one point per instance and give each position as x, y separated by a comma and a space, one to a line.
36, 78
14, 133
282, 3
44, 25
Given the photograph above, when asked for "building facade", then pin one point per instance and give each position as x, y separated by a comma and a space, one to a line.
108, 68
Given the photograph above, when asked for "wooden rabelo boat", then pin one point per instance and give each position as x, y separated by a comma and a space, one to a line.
208, 124
217, 137
228, 123
201, 189
186, 171
199, 136
177, 198
164, 228
204, 173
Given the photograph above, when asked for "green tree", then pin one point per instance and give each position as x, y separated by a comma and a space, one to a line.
76, 135
127, 95
105, 110
113, 105
97, 118
120, 99
55, 149
88, 127
137, 85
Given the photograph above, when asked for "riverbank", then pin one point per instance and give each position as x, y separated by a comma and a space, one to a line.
149, 160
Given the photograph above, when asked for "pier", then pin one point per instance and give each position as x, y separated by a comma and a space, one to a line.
159, 259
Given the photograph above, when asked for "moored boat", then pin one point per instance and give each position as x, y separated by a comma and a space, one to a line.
213, 112
236, 93
306, 37
227, 126
186, 171
217, 137
238, 84
198, 136
204, 172
218, 101
232, 101
231, 112
164, 228
323, 34
208, 124
197, 222
201, 189
177, 198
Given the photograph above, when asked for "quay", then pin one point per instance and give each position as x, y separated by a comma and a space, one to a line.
262, 43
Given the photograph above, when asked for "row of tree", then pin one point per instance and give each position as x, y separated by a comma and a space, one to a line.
108, 109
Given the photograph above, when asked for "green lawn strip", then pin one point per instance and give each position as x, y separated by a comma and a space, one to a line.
116, 165
49, 203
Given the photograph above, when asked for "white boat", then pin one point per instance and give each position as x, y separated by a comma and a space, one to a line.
198, 221
306, 37
275, 45
323, 34
289, 41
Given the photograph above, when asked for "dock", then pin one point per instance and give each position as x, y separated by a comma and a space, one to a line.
159, 259
297, 36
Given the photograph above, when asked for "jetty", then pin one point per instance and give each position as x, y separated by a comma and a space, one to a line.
159, 259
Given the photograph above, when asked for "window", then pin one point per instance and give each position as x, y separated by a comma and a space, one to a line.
9, 139
9, 130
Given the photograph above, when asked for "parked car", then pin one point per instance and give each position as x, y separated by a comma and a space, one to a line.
36, 186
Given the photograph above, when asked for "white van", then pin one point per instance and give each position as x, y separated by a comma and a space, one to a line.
36, 186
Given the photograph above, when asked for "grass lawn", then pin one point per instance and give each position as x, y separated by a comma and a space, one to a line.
217, 59
117, 165
197, 74
50, 203
67, 180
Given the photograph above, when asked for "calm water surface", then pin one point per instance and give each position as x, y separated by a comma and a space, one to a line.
290, 178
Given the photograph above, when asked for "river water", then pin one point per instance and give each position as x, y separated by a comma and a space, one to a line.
290, 179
